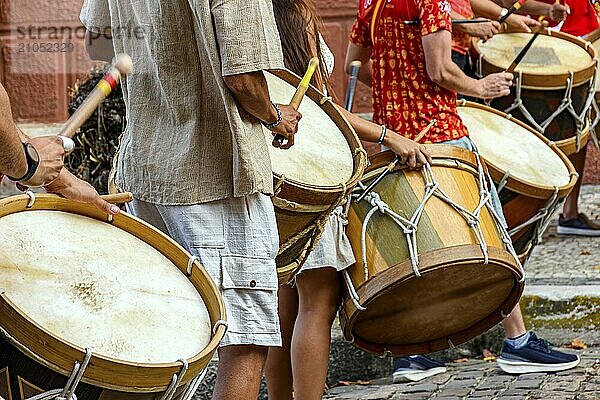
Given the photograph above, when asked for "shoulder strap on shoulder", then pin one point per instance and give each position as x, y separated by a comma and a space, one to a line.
377, 12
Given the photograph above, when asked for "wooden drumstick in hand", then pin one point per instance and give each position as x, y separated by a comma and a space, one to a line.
122, 65
299, 94
515, 7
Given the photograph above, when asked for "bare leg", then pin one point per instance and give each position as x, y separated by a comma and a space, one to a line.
514, 325
318, 293
279, 363
240, 372
570, 208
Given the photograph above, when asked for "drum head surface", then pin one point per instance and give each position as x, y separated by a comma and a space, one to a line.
320, 155
94, 285
548, 54
510, 147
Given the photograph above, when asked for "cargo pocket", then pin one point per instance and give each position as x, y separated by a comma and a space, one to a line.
250, 290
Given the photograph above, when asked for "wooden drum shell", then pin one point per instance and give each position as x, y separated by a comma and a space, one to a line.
317, 201
457, 297
104, 374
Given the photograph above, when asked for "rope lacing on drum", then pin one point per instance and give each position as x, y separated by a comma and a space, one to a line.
541, 218
68, 392
175, 381
194, 385
31, 201
190, 264
565, 104
502, 183
409, 226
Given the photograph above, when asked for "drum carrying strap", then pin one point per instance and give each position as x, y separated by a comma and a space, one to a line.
376, 17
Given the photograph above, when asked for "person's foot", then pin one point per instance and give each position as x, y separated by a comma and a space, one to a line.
415, 368
581, 226
534, 356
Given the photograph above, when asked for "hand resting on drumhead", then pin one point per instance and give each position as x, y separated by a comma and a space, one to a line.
410, 152
444, 72
73, 188
495, 85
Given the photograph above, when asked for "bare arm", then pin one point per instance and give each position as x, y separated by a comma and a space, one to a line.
444, 72
556, 11
252, 94
99, 46
12, 155
489, 9
412, 153
362, 54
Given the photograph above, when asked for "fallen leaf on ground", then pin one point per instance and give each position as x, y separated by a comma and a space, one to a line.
577, 344
585, 253
488, 355
596, 267
461, 360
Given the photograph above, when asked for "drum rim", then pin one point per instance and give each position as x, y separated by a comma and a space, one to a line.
539, 81
429, 263
592, 36
523, 186
156, 377
359, 156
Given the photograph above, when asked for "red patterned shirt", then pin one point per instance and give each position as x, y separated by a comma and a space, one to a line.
582, 19
404, 98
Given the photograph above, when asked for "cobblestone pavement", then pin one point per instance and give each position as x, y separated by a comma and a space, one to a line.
478, 379
568, 260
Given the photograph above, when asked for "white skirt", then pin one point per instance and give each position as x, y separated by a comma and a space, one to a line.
333, 250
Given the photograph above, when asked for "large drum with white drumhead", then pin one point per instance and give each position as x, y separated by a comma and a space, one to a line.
314, 176
112, 303
554, 83
531, 173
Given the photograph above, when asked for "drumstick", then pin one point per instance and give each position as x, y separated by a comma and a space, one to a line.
122, 66
515, 7
454, 21
390, 167
299, 94
525, 49
354, 70
119, 198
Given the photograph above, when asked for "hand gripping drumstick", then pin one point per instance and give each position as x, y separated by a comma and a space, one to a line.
354, 70
525, 49
122, 65
299, 94
390, 167
515, 7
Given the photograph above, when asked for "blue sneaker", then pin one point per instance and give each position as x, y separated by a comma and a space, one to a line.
535, 356
415, 368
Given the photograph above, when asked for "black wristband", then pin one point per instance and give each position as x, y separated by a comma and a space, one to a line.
32, 165
279, 118
383, 132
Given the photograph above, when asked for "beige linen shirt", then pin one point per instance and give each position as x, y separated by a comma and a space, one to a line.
187, 141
